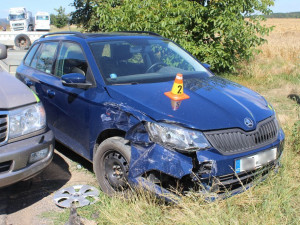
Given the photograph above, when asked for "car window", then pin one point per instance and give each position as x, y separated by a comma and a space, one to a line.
45, 57
70, 59
30, 55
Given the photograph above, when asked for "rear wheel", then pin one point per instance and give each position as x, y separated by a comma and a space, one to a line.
111, 165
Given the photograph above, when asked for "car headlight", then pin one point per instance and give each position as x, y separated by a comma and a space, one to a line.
26, 120
176, 137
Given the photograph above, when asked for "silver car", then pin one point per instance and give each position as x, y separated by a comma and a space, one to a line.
26, 143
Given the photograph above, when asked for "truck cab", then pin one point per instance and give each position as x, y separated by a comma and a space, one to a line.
20, 19
42, 21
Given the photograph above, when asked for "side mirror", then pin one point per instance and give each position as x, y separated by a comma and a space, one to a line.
76, 80
3, 52
207, 66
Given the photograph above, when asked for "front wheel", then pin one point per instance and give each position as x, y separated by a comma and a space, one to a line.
111, 165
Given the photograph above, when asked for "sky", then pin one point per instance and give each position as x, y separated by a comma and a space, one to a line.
49, 6
35, 5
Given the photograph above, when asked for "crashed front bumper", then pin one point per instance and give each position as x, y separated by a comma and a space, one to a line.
153, 167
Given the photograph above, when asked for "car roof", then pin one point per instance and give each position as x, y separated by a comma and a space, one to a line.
73, 35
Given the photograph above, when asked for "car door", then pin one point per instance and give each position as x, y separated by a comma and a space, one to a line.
67, 108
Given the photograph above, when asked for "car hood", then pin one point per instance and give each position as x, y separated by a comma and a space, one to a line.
214, 103
13, 93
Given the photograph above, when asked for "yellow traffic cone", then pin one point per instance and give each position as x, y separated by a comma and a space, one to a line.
176, 93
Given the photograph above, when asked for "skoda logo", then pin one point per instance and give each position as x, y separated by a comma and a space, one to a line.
248, 122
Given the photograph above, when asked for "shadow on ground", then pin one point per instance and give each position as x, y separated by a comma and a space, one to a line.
74, 156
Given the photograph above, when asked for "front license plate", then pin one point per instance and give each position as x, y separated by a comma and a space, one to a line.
255, 161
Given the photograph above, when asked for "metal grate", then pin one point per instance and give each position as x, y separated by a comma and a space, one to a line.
3, 128
5, 166
234, 141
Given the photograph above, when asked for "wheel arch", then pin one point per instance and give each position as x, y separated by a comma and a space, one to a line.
107, 134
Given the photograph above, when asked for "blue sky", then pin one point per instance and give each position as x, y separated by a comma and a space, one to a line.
49, 5
35, 6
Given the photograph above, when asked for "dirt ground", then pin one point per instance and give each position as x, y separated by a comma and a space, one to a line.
23, 203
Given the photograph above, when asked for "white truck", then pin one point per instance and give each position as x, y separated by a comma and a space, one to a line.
42, 21
20, 19
21, 25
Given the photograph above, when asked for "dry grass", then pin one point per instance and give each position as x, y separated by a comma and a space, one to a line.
281, 55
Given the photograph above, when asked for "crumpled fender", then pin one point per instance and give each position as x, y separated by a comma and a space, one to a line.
147, 156
155, 157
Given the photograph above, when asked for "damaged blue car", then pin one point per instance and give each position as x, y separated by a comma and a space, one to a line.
149, 114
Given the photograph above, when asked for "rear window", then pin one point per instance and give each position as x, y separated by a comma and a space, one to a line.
30, 54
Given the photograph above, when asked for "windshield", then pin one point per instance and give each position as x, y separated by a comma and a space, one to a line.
16, 16
42, 18
144, 61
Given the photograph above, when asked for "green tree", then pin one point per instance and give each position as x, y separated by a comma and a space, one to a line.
61, 19
215, 31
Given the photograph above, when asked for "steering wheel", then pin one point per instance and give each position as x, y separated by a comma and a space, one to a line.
155, 65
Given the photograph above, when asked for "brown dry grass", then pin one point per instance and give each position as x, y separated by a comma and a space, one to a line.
281, 54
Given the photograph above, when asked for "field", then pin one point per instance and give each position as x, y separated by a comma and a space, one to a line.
275, 73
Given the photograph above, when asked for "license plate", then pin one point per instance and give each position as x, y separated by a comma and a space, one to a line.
255, 161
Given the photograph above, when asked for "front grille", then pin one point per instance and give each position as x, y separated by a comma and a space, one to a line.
18, 24
226, 183
5, 166
234, 141
3, 128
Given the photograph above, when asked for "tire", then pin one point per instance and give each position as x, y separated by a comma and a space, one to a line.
22, 41
111, 165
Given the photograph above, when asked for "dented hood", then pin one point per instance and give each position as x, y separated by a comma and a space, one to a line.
214, 103
13, 93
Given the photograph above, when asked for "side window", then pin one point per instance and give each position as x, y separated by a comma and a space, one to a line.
30, 54
70, 60
45, 57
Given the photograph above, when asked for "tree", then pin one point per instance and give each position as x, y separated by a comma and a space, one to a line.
61, 19
215, 31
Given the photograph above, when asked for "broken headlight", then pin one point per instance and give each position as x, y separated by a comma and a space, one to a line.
176, 137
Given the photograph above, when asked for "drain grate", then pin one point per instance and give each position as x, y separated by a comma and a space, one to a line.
77, 195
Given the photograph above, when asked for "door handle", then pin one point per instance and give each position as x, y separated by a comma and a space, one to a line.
51, 93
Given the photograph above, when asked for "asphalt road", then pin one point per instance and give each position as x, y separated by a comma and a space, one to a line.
13, 60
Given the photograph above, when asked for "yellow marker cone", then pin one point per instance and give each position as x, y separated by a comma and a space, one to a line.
177, 93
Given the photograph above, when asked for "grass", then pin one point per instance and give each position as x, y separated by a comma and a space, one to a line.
275, 74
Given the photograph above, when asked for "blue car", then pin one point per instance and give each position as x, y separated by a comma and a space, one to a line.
146, 113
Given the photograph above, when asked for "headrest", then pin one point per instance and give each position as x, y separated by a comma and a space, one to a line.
121, 52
